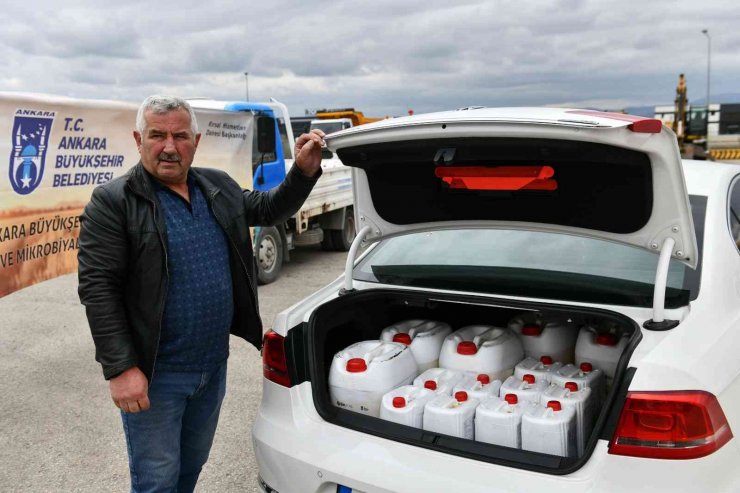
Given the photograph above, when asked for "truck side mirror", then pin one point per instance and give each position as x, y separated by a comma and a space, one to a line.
265, 134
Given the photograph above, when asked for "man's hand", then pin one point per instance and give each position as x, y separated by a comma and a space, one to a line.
130, 390
308, 151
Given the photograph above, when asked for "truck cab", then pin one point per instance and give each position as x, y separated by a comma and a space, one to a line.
268, 168
326, 216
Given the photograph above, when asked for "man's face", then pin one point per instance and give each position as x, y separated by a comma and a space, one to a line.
167, 145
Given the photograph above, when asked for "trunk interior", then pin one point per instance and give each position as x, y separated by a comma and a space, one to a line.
362, 315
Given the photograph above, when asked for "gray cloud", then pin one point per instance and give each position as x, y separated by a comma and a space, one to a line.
381, 56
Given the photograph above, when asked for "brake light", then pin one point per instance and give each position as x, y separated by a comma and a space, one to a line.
274, 362
670, 425
648, 126
507, 178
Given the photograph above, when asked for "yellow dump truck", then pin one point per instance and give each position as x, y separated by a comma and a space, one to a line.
335, 120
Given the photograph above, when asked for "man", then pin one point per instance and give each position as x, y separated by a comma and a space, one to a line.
166, 272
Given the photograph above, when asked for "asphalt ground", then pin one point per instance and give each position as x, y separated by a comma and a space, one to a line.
59, 430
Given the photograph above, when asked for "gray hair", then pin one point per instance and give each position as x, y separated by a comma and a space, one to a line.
164, 104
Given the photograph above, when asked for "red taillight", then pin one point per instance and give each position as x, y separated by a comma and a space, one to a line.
670, 425
648, 126
274, 363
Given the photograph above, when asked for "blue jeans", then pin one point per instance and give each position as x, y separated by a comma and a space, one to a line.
169, 443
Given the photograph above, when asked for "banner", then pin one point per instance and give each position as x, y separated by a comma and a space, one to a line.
57, 150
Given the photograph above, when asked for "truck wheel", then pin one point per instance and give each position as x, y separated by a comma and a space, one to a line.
327, 244
269, 255
342, 238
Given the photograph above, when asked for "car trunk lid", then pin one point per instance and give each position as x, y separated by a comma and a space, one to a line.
594, 174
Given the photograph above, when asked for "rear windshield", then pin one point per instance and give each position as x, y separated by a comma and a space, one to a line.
532, 264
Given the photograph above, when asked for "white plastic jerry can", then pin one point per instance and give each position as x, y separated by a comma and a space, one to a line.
584, 375
550, 429
540, 337
499, 421
362, 373
451, 415
583, 403
424, 337
482, 349
439, 380
541, 369
527, 388
405, 405
602, 350
478, 386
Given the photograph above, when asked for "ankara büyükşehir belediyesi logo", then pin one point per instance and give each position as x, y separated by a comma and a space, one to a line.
30, 138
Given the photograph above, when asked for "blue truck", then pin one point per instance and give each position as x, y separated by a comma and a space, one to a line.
327, 216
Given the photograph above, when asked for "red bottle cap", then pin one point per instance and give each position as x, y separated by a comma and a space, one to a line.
430, 384
461, 396
572, 386
467, 348
546, 360
528, 378
511, 399
554, 405
399, 402
403, 338
531, 330
483, 378
606, 340
587, 367
356, 365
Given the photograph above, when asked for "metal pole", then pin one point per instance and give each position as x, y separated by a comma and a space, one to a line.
246, 79
709, 70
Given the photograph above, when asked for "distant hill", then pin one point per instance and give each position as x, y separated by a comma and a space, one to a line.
649, 111
727, 98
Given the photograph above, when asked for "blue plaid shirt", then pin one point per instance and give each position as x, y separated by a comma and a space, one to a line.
200, 304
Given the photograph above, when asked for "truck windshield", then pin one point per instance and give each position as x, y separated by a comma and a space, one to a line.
532, 264
328, 126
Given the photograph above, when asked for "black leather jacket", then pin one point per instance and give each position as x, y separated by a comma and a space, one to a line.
123, 272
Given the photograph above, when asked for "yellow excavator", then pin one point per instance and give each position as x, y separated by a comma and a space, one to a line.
688, 134
356, 117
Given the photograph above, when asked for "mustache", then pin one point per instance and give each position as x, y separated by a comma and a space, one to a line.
169, 157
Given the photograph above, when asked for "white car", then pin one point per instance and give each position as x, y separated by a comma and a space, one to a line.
475, 216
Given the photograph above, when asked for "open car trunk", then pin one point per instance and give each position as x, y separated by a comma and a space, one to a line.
362, 315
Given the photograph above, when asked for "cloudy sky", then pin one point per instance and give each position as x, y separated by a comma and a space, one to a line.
381, 56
